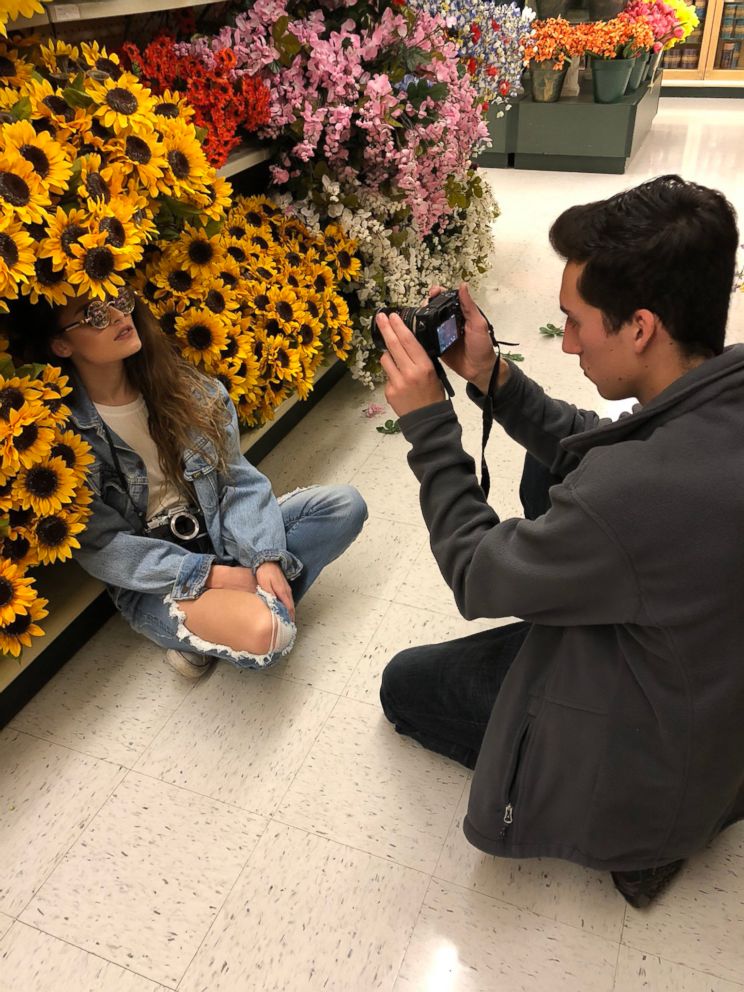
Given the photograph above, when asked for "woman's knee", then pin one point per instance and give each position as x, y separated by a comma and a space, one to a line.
353, 505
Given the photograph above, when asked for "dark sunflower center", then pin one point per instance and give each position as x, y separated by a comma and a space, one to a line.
97, 187
6, 591
46, 274
201, 252
37, 158
19, 518
8, 250
215, 301
65, 452
261, 301
344, 259
42, 481
168, 323
7, 66
14, 189
282, 358
70, 236
293, 258
264, 272
16, 549
258, 350
27, 437
122, 101
138, 150
260, 242
99, 263
37, 231
231, 348
100, 131
285, 310
242, 369
273, 327
116, 235
180, 281
229, 279
276, 387
10, 399
333, 309
109, 67
320, 282
53, 405
313, 308
149, 290
225, 380
19, 625
59, 107
237, 253
180, 165
167, 110
254, 218
52, 531
199, 336
306, 334
236, 232
293, 281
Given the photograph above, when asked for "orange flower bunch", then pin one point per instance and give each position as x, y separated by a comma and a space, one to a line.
552, 40
615, 39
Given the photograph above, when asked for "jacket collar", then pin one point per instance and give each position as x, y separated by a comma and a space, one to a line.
690, 390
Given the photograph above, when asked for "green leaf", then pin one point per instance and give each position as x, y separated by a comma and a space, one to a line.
4, 526
201, 134
75, 98
33, 370
552, 331
389, 427
22, 109
513, 356
7, 369
212, 227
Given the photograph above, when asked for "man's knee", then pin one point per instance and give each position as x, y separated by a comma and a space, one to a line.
393, 685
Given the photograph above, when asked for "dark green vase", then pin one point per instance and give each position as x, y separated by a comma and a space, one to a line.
610, 78
653, 64
638, 72
547, 82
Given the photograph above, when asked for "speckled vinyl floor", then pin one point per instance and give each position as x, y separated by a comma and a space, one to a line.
271, 831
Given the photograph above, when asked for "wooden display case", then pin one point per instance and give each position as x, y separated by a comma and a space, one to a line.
714, 53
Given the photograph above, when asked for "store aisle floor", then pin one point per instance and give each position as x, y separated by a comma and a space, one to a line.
271, 831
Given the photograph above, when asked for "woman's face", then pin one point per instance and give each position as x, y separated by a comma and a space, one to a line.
85, 344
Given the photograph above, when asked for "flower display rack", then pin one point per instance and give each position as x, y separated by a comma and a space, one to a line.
81, 604
87, 10
575, 134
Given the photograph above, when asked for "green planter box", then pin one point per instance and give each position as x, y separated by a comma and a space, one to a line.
503, 132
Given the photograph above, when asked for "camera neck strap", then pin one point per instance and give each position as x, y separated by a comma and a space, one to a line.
488, 400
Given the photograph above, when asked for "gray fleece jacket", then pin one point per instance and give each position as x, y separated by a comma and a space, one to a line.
617, 740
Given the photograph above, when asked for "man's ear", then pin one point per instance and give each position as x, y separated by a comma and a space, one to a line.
645, 326
60, 347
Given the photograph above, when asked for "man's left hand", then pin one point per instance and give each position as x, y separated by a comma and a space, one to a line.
412, 379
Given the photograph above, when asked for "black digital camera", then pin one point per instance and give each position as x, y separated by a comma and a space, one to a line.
436, 325
183, 525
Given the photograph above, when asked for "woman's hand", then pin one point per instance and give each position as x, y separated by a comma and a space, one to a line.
231, 577
272, 579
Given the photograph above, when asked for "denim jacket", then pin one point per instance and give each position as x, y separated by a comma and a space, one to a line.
241, 514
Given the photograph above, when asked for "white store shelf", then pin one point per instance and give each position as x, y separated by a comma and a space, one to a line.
88, 10
243, 158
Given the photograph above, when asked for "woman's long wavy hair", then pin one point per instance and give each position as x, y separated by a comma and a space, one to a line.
185, 410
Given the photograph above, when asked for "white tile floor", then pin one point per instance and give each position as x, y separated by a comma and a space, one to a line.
271, 831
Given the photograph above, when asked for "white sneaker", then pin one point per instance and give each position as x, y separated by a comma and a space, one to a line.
191, 666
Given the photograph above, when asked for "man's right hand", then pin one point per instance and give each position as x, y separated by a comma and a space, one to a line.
472, 356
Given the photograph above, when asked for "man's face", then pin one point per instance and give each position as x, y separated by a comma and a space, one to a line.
607, 360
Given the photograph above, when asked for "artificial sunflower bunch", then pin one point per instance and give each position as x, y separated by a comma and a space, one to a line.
255, 303
93, 166
11, 9
44, 503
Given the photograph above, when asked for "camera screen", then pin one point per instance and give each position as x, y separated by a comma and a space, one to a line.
447, 333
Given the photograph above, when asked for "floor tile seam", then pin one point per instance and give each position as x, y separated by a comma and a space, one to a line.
524, 909
171, 716
619, 951
277, 818
95, 954
370, 641
81, 833
455, 808
682, 964
68, 747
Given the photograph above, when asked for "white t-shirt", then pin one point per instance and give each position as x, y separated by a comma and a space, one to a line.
130, 423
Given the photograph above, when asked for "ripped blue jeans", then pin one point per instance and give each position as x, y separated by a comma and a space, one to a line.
320, 523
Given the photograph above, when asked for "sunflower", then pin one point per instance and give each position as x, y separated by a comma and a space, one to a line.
203, 336
25, 439
341, 340
93, 269
258, 241
55, 536
98, 59
336, 311
115, 220
305, 380
229, 272
21, 551
49, 106
321, 279
220, 298
228, 373
123, 104
54, 387
22, 190
308, 336
188, 169
99, 183
60, 60
142, 158
18, 633
215, 198
285, 308
266, 268
16, 256
15, 71
168, 313
64, 232
6, 493
172, 105
46, 486
74, 452
199, 254
48, 283
346, 263
314, 304
173, 278
280, 358
16, 593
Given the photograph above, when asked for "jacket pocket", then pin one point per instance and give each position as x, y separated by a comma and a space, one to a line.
512, 778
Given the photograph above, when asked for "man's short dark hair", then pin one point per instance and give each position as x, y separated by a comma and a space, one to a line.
668, 246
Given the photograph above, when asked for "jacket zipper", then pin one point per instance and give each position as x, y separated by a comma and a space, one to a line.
509, 807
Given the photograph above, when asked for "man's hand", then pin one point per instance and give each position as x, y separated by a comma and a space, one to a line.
473, 356
272, 579
412, 379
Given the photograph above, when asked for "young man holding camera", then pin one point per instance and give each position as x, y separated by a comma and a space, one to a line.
606, 726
